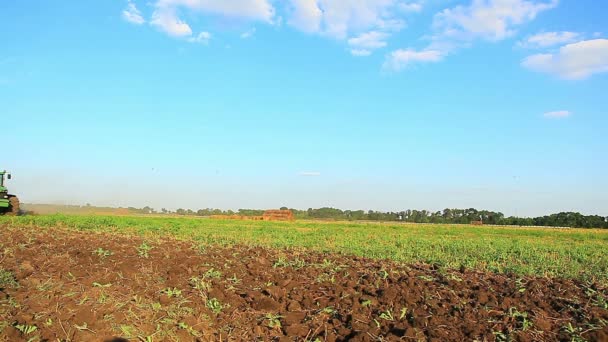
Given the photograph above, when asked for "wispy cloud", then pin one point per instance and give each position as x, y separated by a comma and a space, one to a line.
310, 174
558, 114
364, 44
547, 39
132, 14
573, 61
411, 6
248, 33
202, 38
488, 19
398, 60
167, 21
460, 26
341, 19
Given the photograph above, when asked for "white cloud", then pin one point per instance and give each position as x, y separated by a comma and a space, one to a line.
310, 174
203, 38
547, 39
360, 52
248, 34
339, 18
400, 59
411, 7
248, 9
557, 114
132, 14
364, 24
364, 44
573, 61
488, 19
306, 15
460, 26
166, 20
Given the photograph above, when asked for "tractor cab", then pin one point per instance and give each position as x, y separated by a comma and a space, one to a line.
2, 175
9, 204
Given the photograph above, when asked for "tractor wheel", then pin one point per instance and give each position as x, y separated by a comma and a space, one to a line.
13, 208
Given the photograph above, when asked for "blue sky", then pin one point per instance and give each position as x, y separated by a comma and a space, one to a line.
371, 104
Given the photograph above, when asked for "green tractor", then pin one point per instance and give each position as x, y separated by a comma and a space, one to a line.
9, 204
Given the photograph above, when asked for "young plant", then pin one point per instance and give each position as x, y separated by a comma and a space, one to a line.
144, 250
274, 321
521, 318
7, 279
521, 285
214, 305
172, 292
100, 252
189, 329
387, 315
330, 311
574, 332
234, 280
26, 329
212, 274
96, 284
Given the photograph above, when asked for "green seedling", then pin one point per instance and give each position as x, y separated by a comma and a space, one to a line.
127, 330
212, 274
172, 292
26, 329
189, 329
366, 303
214, 305
7, 279
101, 285
144, 250
103, 298
83, 327
234, 280
500, 336
521, 318
574, 332
426, 278
283, 262
100, 252
274, 321
330, 311
387, 316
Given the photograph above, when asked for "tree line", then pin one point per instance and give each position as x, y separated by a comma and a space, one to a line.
448, 216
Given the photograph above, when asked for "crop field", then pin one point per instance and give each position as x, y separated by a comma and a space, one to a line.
89, 278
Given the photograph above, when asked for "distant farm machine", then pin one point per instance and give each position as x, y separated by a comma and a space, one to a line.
9, 204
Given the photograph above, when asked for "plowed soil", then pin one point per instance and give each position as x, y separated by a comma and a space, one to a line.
76, 286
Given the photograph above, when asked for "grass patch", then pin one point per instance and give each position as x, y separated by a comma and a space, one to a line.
7, 279
570, 253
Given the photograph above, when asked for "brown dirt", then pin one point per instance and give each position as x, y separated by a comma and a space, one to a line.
70, 293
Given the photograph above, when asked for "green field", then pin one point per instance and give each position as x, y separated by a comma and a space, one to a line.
570, 253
